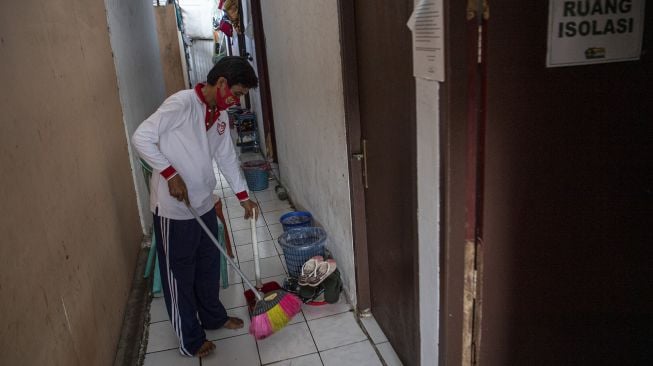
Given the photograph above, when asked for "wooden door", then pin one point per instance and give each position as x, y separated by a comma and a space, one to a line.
386, 110
568, 203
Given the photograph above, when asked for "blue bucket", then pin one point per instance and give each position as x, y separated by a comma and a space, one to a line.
296, 219
299, 245
257, 174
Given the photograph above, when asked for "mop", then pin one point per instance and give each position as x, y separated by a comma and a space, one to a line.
273, 310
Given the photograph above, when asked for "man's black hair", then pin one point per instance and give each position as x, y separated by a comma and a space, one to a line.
236, 70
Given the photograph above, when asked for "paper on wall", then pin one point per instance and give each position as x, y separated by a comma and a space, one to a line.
426, 23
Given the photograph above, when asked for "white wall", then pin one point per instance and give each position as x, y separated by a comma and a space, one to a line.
428, 216
303, 50
141, 86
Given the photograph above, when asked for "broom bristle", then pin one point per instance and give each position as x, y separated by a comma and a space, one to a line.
260, 326
275, 318
291, 305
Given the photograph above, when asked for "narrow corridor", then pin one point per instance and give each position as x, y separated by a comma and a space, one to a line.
319, 335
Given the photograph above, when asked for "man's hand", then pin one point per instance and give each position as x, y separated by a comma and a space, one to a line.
178, 188
249, 207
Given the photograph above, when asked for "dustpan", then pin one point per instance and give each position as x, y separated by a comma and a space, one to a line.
260, 286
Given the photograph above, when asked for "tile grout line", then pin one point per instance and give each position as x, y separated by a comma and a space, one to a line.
334, 314
292, 358
369, 338
230, 337
346, 345
313, 338
159, 321
161, 350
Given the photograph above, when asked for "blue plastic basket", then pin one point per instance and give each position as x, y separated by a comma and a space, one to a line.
296, 219
299, 245
257, 174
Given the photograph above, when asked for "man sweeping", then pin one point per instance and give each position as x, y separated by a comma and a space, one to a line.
180, 141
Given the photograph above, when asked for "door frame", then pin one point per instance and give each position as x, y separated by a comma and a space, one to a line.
264, 79
454, 132
347, 28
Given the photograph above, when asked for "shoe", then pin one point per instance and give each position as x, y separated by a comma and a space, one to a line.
306, 293
332, 287
308, 269
323, 270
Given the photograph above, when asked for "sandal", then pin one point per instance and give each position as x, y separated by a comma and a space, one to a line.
308, 269
323, 270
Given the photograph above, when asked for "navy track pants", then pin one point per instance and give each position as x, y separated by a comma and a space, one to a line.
190, 278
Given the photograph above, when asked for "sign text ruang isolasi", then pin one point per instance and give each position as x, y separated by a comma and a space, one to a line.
621, 20
594, 31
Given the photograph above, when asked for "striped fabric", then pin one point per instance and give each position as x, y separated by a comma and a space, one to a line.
172, 287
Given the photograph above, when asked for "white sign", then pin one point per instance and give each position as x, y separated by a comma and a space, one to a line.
594, 31
428, 42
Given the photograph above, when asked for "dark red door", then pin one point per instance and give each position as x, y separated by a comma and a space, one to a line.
386, 90
568, 202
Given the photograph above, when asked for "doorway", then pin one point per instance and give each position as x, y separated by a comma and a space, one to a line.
380, 108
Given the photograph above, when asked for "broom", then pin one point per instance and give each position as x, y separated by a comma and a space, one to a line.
273, 310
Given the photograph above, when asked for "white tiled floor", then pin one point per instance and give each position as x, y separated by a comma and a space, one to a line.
319, 335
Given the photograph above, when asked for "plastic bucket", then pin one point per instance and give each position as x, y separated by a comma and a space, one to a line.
296, 219
299, 245
257, 174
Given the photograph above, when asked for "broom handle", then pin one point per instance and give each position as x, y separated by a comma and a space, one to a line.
257, 266
258, 295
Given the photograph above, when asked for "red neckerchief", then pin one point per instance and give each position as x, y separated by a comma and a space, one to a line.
209, 111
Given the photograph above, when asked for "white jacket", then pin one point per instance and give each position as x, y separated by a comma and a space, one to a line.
174, 140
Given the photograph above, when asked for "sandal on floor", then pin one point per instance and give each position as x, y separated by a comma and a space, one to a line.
308, 269
324, 269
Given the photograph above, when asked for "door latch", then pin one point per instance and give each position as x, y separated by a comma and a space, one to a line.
363, 156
